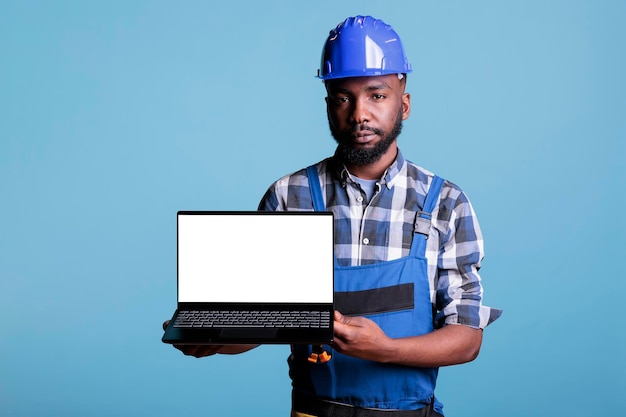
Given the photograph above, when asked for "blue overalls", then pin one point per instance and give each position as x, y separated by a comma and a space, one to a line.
394, 294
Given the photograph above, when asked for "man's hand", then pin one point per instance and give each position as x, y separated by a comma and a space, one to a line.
359, 337
201, 351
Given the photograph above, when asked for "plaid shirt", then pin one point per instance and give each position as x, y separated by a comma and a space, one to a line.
382, 230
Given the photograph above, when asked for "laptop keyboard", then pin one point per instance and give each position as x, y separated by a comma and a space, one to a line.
311, 319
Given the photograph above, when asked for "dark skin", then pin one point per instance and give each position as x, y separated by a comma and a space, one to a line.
370, 104
373, 104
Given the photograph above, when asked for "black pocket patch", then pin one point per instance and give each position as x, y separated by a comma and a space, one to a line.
375, 301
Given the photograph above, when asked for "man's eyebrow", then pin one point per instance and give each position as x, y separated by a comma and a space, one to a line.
382, 86
375, 87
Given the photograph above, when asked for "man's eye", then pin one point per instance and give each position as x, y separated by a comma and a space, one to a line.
341, 100
378, 96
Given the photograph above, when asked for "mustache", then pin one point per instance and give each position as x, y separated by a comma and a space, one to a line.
360, 128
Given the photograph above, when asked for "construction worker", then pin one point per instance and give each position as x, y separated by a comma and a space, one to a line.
407, 246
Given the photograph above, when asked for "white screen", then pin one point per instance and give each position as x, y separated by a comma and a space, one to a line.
255, 258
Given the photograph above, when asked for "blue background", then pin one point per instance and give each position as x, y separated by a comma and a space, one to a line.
116, 114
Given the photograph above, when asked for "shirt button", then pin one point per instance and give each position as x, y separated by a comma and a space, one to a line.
366, 241
359, 199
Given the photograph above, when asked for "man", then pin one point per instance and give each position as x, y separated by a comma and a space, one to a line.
408, 246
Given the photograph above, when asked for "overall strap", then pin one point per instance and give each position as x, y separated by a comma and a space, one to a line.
316, 189
423, 217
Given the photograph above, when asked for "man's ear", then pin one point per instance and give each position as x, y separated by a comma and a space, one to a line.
406, 105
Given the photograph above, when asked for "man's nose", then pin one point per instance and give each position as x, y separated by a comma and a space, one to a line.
360, 111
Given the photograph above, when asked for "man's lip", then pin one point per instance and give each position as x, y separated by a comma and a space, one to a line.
363, 136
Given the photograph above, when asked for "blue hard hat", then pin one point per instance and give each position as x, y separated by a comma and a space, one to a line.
362, 46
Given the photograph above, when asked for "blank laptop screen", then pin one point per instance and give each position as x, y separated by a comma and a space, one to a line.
255, 257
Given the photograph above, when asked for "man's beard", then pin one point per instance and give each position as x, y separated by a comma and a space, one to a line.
359, 156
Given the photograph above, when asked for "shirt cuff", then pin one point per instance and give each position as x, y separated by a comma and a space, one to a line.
474, 316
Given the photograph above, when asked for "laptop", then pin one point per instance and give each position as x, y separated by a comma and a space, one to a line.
253, 277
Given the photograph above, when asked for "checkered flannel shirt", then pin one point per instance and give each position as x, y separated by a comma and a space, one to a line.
382, 230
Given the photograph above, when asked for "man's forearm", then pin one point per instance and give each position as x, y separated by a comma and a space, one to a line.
450, 345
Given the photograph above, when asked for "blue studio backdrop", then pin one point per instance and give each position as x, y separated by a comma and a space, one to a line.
116, 114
